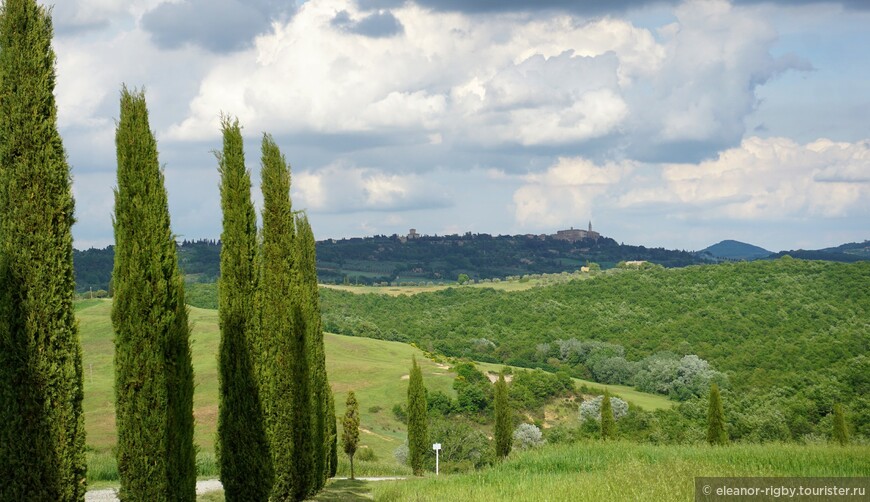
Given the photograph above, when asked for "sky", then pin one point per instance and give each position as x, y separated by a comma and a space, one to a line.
671, 124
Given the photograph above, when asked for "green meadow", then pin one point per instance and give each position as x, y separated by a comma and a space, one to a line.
618, 471
376, 370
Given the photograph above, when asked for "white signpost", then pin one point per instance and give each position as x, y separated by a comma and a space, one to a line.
437, 448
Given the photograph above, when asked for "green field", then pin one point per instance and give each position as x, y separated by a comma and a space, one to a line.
597, 471
539, 280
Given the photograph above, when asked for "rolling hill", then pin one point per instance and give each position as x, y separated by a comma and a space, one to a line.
735, 250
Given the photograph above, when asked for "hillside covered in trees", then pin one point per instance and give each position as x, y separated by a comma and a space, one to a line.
425, 259
787, 330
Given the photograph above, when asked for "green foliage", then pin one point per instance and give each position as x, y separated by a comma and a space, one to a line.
418, 437
463, 278
284, 358
716, 433
503, 419
785, 332
841, 432
309, 305
473, 389
608, 424
463, 446
245, 462
350, 429
42, 435
153, 369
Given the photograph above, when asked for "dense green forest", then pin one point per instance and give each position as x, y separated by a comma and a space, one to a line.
790, 336
426, 259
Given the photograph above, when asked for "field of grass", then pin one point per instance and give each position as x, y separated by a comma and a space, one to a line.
505, 285
373, 369
629, 394
619, 471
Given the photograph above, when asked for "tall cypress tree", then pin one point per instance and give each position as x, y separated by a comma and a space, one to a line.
153, 369
42, 433
284, 375
841, 432
350, 429
503, 422
242, 445
309, 301
716, 433
608, 424
418, 435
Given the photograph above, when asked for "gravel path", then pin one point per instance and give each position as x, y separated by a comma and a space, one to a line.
203, 486
111, 494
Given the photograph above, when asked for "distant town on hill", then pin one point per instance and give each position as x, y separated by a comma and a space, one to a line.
418, 258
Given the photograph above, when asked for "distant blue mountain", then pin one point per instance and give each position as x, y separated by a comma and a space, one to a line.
736, 250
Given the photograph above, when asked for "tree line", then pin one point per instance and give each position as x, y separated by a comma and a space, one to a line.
276, 426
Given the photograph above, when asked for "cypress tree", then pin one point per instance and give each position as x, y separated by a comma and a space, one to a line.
153, 370
350, 429
608, 425
841, 433
284, 366
503, 422
716, 434
418, 436
42, 435
309, 301
242, 446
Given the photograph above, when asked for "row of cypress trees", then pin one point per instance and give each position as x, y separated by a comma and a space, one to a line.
276, 425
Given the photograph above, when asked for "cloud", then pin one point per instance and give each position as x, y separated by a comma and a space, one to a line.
375, 25
769, 179
587, 7
681, 93
764, 179
343, 188
566, 192
215, 25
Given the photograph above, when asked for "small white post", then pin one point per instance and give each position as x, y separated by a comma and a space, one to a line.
437, 448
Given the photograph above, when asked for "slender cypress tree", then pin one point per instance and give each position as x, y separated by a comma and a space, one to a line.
350, 429
284, 376
841, 433
42, 435
309, 302
242, 445
153, 369
716, 434
418, 436
608, 425
503, 422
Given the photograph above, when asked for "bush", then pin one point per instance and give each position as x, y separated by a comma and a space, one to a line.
365, 454
400, 413
375, 409
527, 436
591, 409
402, 453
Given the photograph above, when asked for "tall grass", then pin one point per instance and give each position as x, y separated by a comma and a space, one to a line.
103, 468
625, 471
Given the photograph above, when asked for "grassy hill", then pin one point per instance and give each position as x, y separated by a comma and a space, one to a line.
597, 471
791, 335
375, 370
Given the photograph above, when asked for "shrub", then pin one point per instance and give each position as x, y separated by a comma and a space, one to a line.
527, 436
591, 409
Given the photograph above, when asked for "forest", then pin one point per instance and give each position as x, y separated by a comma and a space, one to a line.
786, 338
